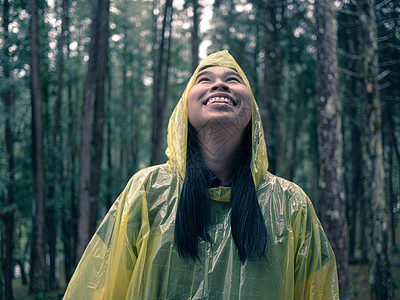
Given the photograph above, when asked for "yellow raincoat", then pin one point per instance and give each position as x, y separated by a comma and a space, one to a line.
133, 256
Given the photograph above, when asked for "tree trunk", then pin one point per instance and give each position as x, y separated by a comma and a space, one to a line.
67, 226
38, 262
123, 156
157, 106
56, 167
99, 107
108, 143
381, 280
279, 135
330, 139
9, 180
93, 95
296, 131
266, 107
163, 106
195, 34
393, 147
69, 221
357, 184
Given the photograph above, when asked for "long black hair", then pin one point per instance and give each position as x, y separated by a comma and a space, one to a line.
247, 223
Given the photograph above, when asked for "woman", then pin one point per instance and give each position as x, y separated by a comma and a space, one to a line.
211, 223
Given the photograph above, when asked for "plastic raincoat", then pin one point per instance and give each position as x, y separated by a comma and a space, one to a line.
133, 256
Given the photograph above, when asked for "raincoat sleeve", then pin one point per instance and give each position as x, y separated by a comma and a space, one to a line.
315, 275
105, 269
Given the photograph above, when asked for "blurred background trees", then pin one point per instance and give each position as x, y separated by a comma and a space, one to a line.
87, 88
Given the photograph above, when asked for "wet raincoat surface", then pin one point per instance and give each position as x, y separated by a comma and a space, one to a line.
133, 256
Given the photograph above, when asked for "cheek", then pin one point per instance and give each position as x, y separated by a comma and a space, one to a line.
193, 111
247, 107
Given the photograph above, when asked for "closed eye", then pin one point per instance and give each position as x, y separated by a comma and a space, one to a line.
233, 79
202, 79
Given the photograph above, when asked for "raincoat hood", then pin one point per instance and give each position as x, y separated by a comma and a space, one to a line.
178, 123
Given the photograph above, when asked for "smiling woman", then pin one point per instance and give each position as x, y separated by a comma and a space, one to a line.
212, 222
219, 95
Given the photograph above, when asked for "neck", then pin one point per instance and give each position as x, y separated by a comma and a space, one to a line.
217, 151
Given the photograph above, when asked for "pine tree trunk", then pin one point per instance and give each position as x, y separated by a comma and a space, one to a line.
266, 107
69, 227
157, 106
55, 168
123, 156
381, 279
163, 106
110, 184
9, 180
279, 135
99, 107
38, 263
195, 34
393, 148
330, 139
94, 83
66, 222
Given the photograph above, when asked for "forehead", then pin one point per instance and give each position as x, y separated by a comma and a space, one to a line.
218, 71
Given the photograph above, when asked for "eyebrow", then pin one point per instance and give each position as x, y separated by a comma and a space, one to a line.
226, 73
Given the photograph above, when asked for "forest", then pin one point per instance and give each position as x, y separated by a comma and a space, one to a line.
87, 88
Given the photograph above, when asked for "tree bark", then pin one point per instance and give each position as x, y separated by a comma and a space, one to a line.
38, 263
195, 34
163, 106
395, 149
56, 167
67, 222
9, 180
93, 92
158, 107
381, 278
330, 139
266, 107
279, 135
99, 108
108, 143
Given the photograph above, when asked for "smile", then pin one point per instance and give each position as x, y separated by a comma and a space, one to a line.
223, 100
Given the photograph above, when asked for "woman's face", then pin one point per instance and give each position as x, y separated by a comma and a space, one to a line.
219, 96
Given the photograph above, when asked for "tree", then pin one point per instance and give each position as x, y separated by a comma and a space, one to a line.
56, 168
381, 279
330, 139
99, 108
92, 122
194, 31
38, 263
159, 104
8, 217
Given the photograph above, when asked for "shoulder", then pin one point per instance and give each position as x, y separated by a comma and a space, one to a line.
280, 189
150, 177
150, 187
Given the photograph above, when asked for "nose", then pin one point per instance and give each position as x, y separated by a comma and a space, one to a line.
220, 85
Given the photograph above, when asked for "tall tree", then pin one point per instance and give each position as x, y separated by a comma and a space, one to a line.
194, 31
276, 86
56, 168
8, 218
93, 104
264, 12
381, 279
99, 108
330, 138
38, 262
158, 105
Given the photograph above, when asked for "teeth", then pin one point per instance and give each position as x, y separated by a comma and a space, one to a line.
220, 100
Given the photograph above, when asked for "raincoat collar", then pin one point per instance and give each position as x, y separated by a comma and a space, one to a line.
178, 123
